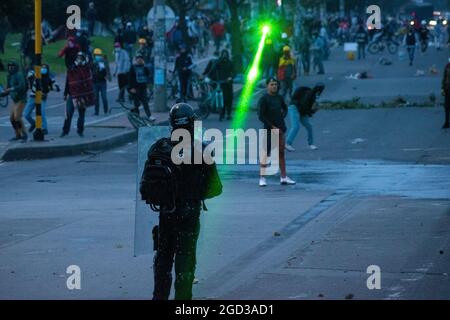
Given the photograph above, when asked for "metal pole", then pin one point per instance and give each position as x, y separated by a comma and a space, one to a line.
38, 134
160, 57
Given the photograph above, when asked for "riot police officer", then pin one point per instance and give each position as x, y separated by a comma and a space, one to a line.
176, 235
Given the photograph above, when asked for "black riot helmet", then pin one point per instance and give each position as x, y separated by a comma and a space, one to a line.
182, 116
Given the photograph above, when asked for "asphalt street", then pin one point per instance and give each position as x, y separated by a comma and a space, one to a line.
314, 240
376, 193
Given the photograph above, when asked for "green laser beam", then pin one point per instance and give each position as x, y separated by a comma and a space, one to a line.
250, 83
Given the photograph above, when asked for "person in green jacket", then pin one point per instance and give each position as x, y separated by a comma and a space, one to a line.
17, 89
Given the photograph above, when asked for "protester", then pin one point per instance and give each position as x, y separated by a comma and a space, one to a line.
300, 112
272, 110
48, 84
101, 75
121, 69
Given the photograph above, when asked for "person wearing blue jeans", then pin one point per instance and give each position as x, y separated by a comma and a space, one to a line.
300, 112
48, 84
29, 111
296, 119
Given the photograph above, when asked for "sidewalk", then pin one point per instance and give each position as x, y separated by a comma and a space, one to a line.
101, 133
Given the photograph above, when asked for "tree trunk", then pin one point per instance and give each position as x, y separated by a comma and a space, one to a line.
236, 41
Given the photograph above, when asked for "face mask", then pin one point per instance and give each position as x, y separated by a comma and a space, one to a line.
44, 71
71, 44
98, 59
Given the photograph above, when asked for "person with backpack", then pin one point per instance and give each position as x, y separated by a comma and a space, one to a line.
101, 74
300, 112
176, 190
287, 72
48, 84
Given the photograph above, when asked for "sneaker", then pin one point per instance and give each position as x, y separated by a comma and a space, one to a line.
63, 135
287, 181
152, 118
313, 147
289, 148
262, 182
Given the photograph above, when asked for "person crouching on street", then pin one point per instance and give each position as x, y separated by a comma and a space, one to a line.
300, 111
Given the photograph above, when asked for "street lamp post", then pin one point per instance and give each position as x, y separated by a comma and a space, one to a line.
160, 57
38, 134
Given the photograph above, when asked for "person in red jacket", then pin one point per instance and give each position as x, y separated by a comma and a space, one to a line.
70, 51
218, 33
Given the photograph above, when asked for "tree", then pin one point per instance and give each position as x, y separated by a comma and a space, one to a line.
236, 39
20, 13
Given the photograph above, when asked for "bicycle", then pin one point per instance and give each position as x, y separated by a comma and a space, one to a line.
135, 119
378, 45
212, 101
3, 97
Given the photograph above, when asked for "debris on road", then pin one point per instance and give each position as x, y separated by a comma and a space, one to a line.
358, 140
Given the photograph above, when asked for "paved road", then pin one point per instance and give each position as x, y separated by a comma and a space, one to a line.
375, 193
348, 212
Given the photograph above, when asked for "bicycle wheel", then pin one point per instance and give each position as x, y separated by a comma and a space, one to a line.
392, 48
203, 111
373, 48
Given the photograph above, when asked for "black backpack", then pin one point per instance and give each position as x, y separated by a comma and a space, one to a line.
164, 184
160, 180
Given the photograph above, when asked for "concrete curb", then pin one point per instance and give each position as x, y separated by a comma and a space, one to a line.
47, 152
56, 151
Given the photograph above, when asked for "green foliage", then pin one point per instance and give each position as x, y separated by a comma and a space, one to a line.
20, 13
